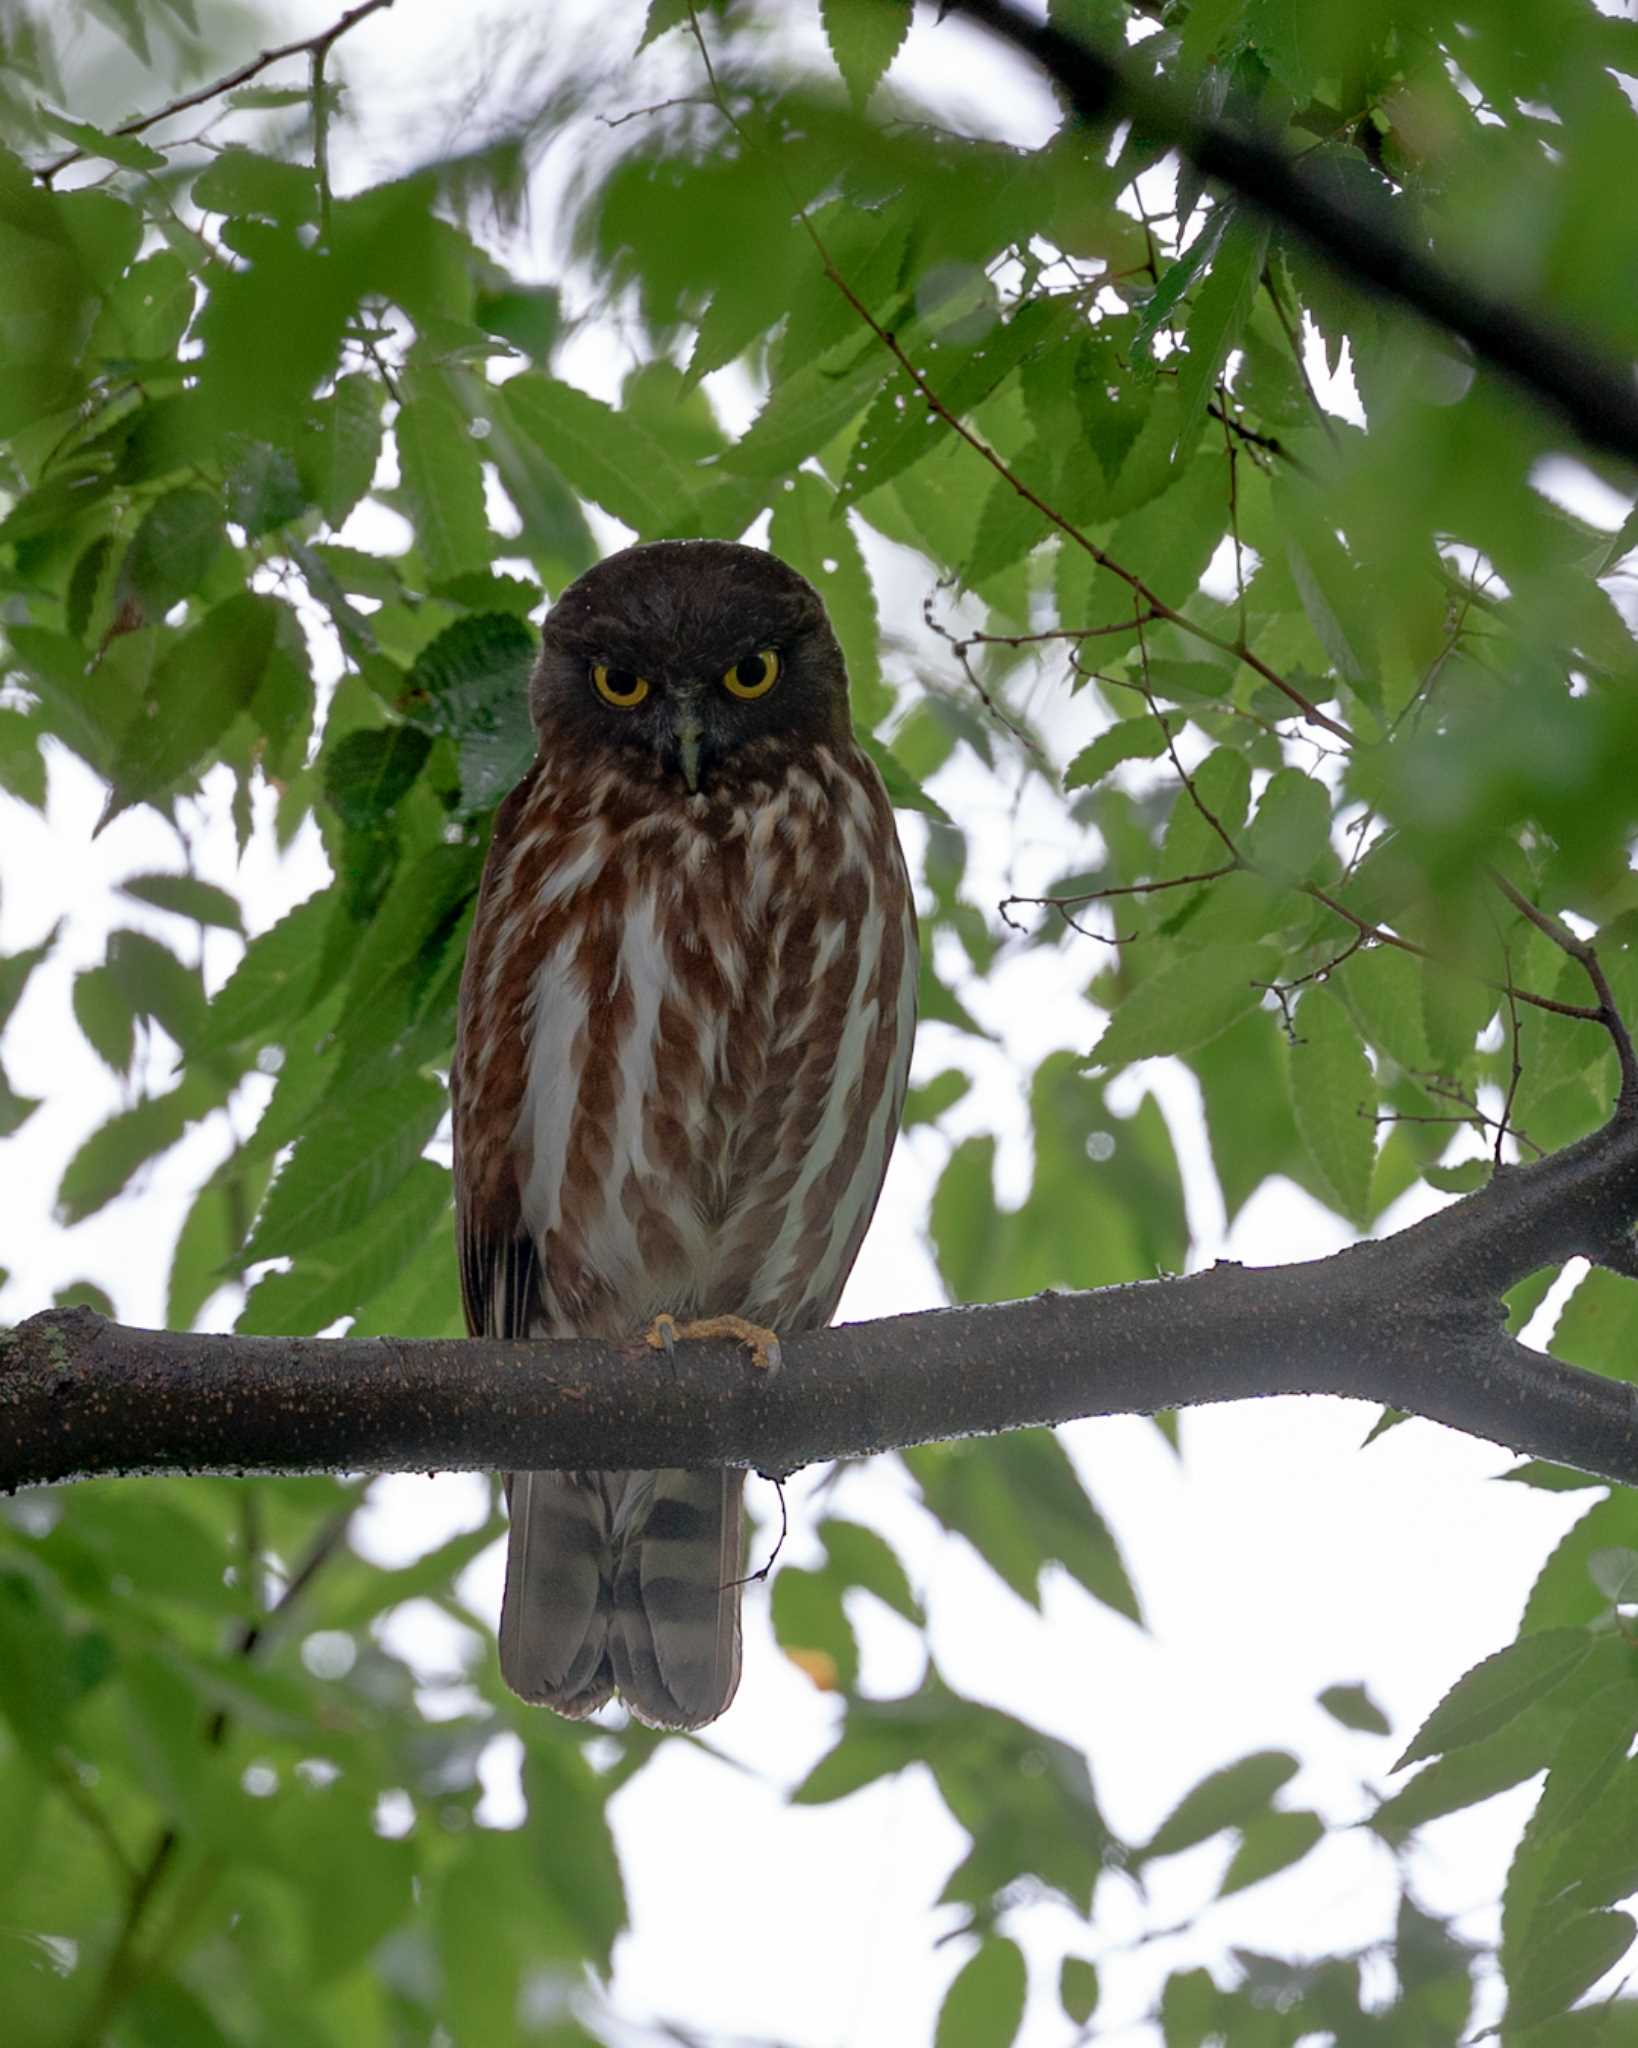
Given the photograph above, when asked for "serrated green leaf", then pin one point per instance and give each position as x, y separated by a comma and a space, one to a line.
201, 684
864, 37
1553, 1976
1497, 1691
105, 1162
348, 1160
1132, 739
241, 181
1219, 312
442, 473
1333, 1095
339, 445
277, 980
1384, 986
369, 772
602, 454
1187, 1002
1592, 1747
1289, 837
170, 552
815, 539
337, 1275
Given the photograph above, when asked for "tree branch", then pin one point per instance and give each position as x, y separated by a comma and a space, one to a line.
1567, 372
317, 47
1413, 1321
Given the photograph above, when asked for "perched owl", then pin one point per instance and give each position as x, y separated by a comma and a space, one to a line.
685, 1025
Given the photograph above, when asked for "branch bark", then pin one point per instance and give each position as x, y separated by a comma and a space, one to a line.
1567, 372
1413, 1321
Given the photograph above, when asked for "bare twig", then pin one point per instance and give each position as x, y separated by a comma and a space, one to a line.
315, 46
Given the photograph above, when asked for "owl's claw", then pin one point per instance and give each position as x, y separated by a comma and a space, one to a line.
663, 1332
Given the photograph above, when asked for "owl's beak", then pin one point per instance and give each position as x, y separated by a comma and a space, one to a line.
689, 730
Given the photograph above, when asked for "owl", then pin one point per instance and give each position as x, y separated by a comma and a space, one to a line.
685, 1024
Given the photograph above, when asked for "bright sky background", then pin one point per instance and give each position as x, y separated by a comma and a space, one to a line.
1277, 1558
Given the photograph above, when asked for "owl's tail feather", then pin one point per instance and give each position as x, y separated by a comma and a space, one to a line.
624, 1580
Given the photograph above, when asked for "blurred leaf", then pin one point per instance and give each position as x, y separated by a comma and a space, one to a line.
1187, 1003
984, 2006
1229, 1798
186, 896
1334, 1096
1271, 1843
1353, 1706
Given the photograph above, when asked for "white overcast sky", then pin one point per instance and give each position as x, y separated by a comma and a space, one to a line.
1277, 1558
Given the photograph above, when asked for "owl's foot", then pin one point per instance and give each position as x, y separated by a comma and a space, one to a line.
663, 1332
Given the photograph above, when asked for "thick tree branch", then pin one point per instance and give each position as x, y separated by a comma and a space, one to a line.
1413, 1321
1569, 373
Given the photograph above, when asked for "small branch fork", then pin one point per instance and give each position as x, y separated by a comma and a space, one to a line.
316, 47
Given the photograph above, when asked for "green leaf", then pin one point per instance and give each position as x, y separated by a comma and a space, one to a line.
1290, 836
809, 534
201, 684
103, 1012
1187, 1002
368, 772
1353, 1706
105, 1162
1078, 1988
125, 150
1132, 739
1271, 1843
1219, 312
241, 181
339, 445
1565, 1595
926, 1104
1495, 1692
1593, 1746
864, 37
334, 1277
812, 1629
442, 473
984, 2006
1230, 1798
170, 552
860, 1557
1383, 984
349, 1159
572, 1847
602, 454
186, 896
1598, 1326
1333, 1094
276, 981
1554, 1975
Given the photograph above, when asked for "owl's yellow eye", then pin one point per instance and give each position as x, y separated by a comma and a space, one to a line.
755, 676
619, 686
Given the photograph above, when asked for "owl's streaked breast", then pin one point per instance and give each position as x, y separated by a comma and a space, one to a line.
696, 1025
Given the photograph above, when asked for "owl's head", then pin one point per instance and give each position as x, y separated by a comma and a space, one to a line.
696, 661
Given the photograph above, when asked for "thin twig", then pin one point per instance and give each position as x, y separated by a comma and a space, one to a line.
316, 46
1586, 957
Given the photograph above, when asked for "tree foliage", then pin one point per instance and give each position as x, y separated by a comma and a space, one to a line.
1335, 703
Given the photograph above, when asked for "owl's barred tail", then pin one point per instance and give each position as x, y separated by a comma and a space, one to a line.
624, 1581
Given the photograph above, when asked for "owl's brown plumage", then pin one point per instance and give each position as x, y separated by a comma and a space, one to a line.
685, 1026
